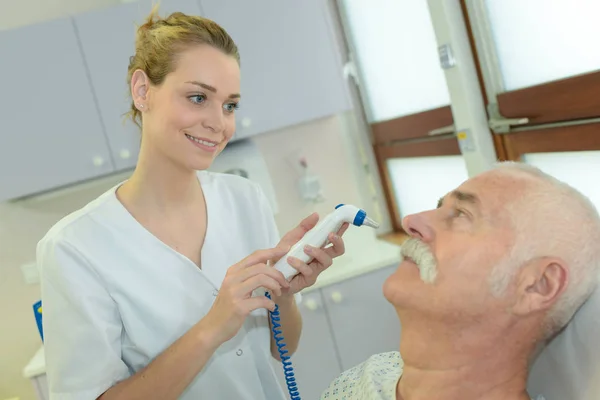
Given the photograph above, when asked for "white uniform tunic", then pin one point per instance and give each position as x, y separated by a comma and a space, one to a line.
115, 296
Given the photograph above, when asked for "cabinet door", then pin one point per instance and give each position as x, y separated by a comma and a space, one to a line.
108, 40
50, 131
291, 71
315, 362
363, 321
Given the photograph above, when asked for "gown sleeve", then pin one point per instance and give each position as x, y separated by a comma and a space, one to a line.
81, 322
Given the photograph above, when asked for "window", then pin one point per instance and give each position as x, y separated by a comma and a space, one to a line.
540, 64
404, 94
538, 68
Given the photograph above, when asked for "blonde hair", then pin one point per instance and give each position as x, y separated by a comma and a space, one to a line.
160, 40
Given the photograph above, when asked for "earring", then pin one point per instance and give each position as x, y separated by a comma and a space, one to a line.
140, 105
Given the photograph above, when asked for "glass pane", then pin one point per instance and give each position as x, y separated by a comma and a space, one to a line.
397, 54
442, 174
544, 40
579, 169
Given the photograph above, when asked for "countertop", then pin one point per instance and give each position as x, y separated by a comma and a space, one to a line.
364, 253
36, 366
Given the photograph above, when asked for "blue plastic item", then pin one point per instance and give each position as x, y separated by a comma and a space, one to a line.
288, 369
37, 312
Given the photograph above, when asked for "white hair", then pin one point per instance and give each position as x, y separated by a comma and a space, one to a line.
552, 219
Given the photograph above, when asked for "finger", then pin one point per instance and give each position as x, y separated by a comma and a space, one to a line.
337, 247
300, 266
260, 257
298, 232
257, 281
265, 270
343, 229
258, 269
256, 302
320, 255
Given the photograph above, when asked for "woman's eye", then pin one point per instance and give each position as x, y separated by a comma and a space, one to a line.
197, 98
231, 107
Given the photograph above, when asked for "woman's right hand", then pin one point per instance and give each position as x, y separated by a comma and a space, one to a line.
235, 302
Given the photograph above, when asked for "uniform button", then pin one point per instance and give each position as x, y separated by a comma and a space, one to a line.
239, 352
215, 293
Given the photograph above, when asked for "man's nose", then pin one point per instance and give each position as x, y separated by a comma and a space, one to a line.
416, 225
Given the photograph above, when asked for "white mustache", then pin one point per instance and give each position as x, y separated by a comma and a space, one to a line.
419, 252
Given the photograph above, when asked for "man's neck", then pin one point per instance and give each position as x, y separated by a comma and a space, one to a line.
461, 365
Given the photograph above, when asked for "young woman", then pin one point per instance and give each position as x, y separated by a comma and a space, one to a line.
147, 291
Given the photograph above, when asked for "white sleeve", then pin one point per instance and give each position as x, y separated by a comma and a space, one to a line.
81, 322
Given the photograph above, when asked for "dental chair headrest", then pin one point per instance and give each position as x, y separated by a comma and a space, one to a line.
569, 368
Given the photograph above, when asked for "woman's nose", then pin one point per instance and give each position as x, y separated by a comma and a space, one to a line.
213, 120
416, 225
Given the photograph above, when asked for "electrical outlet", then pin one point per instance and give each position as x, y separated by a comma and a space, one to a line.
30, 273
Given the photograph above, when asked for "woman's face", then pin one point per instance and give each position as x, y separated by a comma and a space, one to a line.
190, 117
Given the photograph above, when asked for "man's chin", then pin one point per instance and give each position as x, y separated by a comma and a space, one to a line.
404, 285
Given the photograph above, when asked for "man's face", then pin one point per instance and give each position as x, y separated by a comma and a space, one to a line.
457, 246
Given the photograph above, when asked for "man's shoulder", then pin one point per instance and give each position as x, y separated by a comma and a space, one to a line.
375, 378
384, 359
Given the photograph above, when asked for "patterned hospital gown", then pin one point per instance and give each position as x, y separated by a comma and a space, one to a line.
374, 379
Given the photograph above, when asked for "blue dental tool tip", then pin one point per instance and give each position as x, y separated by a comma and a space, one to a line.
360, 218
339, 205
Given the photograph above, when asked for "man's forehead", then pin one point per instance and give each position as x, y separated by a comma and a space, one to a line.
489, 192
463, 196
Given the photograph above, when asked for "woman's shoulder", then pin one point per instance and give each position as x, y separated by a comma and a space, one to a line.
77, 222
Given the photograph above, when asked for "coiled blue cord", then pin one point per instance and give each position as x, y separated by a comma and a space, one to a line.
288, 369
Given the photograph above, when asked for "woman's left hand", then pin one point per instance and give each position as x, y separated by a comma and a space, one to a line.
322, 257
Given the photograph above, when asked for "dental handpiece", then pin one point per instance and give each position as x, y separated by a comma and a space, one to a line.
318, 236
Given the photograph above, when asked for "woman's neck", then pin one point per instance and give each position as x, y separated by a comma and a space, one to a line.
161, 186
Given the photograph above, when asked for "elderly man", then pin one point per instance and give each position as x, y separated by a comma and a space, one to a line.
488, 277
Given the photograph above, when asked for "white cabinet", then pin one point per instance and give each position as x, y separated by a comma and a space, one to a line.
291, 72
344, 324
64, 92
50, 131
40, 385
108, 41
364, 322
316, 362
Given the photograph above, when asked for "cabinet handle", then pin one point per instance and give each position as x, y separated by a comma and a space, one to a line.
98, 161
125, 154
336, 297
311, 304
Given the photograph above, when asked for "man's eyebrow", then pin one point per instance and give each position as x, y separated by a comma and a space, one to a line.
212, 89
461, 196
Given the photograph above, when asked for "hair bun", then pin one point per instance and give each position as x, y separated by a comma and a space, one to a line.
151, 19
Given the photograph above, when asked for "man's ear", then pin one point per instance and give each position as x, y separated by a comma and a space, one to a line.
140, 83
539, 285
